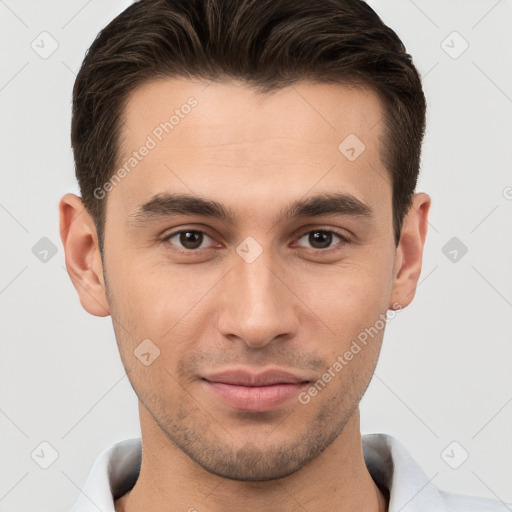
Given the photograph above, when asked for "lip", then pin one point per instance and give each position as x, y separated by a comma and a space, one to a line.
247, 391
242, 377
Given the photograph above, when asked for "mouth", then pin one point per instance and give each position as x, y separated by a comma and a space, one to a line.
250, 392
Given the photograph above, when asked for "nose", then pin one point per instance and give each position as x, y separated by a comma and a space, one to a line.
258, 305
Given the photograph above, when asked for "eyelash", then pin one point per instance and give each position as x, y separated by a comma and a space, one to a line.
344, 240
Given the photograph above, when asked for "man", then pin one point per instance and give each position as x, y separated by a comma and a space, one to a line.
249, 221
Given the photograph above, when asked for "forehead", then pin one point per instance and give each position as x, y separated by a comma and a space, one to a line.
226, 141
240, 113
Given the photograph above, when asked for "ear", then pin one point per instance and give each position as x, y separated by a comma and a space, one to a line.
83, 259
409, 253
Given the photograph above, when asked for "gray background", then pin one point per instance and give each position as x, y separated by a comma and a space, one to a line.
445, 369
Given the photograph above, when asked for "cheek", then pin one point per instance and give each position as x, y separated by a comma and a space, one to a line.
349, 305
157, 301
347, 296
171, 303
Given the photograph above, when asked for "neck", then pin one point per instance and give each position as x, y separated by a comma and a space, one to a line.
337, 479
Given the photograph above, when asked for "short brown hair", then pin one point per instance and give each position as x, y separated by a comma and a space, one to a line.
268, 44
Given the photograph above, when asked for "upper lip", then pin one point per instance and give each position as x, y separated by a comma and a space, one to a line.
248, 378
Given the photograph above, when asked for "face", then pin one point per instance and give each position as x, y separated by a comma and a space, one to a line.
300, 263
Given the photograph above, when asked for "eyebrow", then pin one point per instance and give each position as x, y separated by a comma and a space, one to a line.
168, 205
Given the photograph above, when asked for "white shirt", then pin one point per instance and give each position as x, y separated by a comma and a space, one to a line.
391, 466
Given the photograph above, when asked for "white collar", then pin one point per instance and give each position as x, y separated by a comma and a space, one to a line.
389, 463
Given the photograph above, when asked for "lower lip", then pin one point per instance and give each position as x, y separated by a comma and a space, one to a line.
256, 399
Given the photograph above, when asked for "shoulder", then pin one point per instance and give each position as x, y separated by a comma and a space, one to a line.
394, 469
466, 503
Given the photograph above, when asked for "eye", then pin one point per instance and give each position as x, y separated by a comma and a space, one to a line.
188, 239
192, 240
322, 238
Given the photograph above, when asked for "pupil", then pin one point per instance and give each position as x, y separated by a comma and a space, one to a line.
191, 239
320, 239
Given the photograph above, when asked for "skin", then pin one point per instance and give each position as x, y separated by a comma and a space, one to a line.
296, 307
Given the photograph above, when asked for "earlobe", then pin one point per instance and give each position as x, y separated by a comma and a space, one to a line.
409, 254
83, 261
